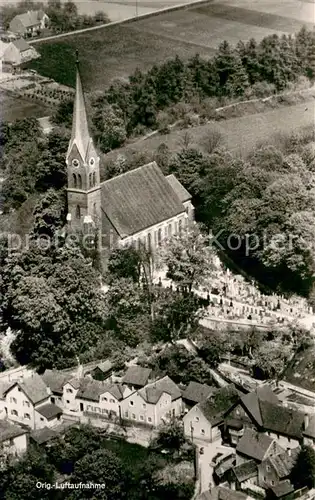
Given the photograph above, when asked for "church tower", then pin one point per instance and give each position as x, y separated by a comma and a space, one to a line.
84, 189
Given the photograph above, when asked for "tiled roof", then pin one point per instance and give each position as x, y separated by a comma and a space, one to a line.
137, 375
106, 366
21, 44
75, 382
4, 387
43, 435
251, 401
55, 380
254, 444
34, 387
245, 471
92, 389
49, 411
284, 462
179, 189
30, 18
219, 403
196, 392
282, 420
151, 393
282, 488
139, 199
227, 494
9, 431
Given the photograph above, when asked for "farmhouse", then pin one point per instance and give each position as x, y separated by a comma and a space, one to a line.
256, 446
18, 52
139, 207
30, 23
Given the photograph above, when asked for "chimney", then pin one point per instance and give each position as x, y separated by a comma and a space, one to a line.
306, 421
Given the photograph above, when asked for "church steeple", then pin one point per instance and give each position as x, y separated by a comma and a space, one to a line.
84, 188
80, 136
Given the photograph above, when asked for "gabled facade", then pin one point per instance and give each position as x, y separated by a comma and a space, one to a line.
29, 23
13, 441
154, 404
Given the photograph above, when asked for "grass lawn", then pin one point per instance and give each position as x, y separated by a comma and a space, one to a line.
116, 51
132, 455
16, 109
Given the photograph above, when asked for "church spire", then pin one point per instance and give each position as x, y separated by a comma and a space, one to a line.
80, 135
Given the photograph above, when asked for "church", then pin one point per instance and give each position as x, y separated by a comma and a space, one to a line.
139, 207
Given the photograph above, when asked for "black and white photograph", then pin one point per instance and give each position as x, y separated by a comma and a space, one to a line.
157, 249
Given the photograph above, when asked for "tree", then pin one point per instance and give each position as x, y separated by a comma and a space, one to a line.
189, 259
101, 467
170, 436
111, 130
303, 471
124, 263
49, 214
270, 360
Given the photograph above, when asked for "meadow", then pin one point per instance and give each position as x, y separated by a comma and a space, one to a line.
116, 51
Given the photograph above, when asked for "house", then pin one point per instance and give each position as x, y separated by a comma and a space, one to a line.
70, 391
13, 440
196, 393
204, 420
277, 468
102, 371
43, 436
23, 398
18, 52
47, 415
282, 491
140, 207
261, 410
100, 399
136, 377
256, 446
29, 23
153, 404
243, 475
55, 380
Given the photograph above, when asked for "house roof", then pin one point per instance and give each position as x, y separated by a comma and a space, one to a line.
75, 382
105, 367
219, 403
137, 375
34, 388
21, 44
151, 393
284, 462
179, 189
55, 380
254, 444
245, 471
282, 488
196, 392
251, 401
44, 435
49, 411
30, 18
4, 387
9, 430
92, 390
282, 420
221, 493
139, 199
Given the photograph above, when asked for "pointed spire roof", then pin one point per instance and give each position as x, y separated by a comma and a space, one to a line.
80, 131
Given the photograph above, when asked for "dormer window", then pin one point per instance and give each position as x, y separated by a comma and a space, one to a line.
75, 163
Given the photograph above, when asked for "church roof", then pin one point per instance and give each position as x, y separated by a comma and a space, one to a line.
80, 131
179, 189
139, 199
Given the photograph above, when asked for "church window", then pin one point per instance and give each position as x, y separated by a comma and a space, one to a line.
149, 242
90, 180
79, 181
74, 180
169, 230
180, 227
75, 163
92, 162
94, 179
78, 212
160, 237
94, 208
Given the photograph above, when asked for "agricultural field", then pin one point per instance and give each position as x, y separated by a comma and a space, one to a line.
116, 51
240, 135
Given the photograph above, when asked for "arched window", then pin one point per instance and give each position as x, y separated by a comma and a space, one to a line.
169, 230
94, 209
94, 179
78, 212
149, 242
74, 180
79, 181
159, 237
90, 180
